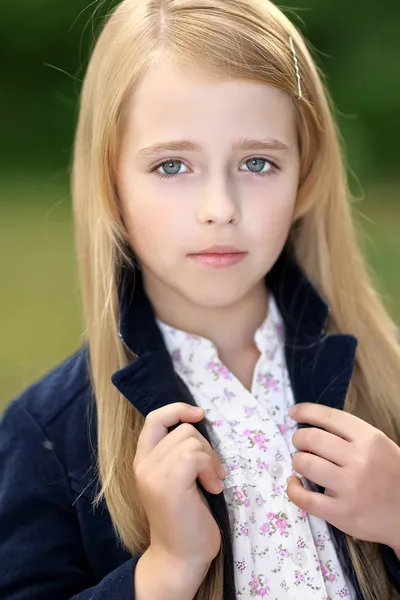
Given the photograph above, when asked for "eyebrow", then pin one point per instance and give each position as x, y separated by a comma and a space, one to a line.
189, 146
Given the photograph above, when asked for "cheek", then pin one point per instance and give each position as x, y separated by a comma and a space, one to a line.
150, 227
273, 213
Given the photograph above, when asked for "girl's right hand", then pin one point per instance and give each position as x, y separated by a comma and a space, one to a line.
166, 468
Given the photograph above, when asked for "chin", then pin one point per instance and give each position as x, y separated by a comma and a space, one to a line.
215, 296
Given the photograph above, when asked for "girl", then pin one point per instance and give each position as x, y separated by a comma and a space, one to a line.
219, 268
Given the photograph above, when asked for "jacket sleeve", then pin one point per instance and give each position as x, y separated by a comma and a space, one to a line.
42, 556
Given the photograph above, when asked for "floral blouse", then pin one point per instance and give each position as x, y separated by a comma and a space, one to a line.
279, 550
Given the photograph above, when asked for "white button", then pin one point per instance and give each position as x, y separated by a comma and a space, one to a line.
275, 469
299, 557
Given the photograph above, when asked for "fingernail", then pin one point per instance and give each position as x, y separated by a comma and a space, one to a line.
221, 472
292, 410
221, 486
198, 409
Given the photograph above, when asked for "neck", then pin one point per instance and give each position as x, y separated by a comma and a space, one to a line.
230, 328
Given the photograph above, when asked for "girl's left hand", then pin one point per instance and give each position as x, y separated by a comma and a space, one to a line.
359, 467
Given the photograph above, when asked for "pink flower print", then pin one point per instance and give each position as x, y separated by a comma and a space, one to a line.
249, 410
261, 378
283, 428
281, 523
246, 502
284, 552
271, 516
224, 372
254, 584
265, 527
259, 440
217, 423
284, 533
299, 576
277, 490
267, 381
324, 570
247, 432
212, 366
244, 530
263, 591
272, 383
239, 494
260, 500
332, 577
228, 394
261, 465
241, 565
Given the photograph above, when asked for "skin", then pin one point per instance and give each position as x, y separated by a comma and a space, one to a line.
215, 199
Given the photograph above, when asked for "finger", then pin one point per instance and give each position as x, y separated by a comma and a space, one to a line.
322, 443
184, 432
184, 466
207, 475
318, 470
335, 421
158, 421
316, 504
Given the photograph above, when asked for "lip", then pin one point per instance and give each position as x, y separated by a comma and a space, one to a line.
219, 256
219, 250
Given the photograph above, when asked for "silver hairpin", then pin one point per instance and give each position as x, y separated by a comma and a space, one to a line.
296, 67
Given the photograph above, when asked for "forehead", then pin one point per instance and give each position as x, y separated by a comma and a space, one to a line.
175, 102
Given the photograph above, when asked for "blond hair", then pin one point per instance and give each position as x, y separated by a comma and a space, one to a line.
229, 38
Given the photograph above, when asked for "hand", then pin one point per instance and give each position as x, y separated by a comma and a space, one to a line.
359, 467
166, 468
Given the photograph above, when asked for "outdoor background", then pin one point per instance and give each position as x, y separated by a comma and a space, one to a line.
44, 48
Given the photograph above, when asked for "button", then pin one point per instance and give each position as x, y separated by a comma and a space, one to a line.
275, 469
299, 557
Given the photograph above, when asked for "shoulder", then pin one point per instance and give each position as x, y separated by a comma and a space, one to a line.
54, 419
51, 395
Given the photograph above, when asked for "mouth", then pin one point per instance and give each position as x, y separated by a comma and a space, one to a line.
219, 256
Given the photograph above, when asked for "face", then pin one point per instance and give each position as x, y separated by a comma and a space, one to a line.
206, 162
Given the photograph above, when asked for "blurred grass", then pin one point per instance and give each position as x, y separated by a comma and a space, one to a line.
40, 303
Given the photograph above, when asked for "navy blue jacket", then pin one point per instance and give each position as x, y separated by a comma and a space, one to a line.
53, 545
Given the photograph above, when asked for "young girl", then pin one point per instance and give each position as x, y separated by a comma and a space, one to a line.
230, 320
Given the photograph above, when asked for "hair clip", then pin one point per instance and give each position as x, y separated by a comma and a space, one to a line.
296, 67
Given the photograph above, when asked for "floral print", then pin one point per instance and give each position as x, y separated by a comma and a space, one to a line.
280, 552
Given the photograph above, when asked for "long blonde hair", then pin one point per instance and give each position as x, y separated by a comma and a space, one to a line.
230, 38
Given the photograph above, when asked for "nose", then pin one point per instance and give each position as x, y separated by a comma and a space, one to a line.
218, 206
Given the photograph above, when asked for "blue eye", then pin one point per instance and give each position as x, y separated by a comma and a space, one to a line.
170, 167
258, 164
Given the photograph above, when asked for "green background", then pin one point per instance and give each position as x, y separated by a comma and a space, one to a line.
44, 48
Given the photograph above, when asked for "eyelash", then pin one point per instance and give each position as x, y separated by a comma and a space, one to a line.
274, 166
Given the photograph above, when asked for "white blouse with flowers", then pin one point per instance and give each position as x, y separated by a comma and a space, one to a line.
279, 551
